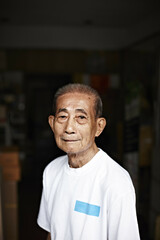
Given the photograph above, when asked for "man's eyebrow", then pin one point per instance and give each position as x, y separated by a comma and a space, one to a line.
81, 110
62, 110
77, 110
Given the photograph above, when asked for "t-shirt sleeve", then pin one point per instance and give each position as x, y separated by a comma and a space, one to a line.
43, 217
122, 218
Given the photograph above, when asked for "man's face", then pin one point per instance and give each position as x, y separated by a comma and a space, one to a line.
74, 124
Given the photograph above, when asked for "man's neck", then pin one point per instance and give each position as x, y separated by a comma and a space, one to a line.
77, 160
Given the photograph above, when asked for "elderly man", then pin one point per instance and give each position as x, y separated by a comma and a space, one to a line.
86, 194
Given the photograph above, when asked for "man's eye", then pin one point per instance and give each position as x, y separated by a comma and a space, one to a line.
82, 117
61, 118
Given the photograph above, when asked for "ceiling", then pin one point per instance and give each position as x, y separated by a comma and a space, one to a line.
92, 24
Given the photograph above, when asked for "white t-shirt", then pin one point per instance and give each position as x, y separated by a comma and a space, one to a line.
94, 202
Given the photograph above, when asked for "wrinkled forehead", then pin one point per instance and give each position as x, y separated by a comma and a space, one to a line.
77, 95
76, 99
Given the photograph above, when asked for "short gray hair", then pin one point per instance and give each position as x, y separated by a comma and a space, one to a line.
80, 88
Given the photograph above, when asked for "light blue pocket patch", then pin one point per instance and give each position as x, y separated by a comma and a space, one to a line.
86, 208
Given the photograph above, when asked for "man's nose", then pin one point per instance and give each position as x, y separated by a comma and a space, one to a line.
70, 126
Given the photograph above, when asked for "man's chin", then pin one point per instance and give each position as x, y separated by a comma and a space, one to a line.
68, 150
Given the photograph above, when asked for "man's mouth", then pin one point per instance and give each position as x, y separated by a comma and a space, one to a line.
69, 140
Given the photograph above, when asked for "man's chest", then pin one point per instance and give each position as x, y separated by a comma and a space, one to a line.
80, 194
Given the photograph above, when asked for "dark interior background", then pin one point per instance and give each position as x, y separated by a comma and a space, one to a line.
112, 46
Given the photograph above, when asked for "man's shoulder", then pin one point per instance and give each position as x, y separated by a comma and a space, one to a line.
113, 165
115, 174
53, 172
56, 163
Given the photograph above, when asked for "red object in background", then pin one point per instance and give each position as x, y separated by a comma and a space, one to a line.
100, 83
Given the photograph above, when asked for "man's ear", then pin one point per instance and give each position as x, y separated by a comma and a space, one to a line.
101, 123
51, 122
